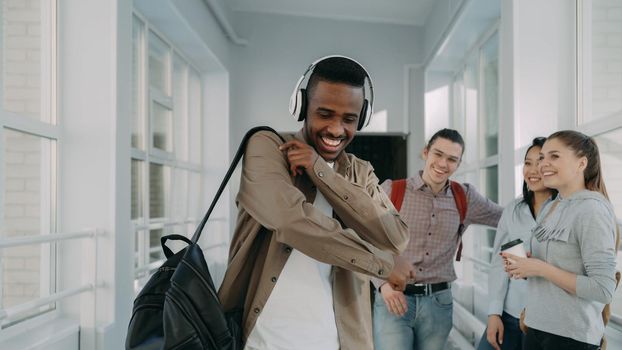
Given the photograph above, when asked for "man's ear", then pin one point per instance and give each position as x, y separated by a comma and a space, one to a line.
424, 153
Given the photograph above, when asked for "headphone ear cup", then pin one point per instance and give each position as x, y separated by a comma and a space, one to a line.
364, 115
301, 105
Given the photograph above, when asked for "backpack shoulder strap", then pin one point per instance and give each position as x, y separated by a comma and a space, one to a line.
461, 204
398, 189
234, 163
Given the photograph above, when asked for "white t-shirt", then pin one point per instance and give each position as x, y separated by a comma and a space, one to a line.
299, 313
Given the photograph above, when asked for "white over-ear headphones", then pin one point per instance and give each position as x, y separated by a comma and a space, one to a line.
298, 100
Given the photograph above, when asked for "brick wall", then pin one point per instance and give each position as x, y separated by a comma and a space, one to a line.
21, 42
606, 57
22, 197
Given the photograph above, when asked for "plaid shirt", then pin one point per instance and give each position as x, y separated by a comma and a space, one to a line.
433, 221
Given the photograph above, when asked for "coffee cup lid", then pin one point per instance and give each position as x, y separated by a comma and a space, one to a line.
510, 244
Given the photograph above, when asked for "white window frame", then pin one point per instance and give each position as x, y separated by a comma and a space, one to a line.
150, 155
46, 127
471, 171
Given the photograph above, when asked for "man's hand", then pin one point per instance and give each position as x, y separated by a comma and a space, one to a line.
403, 272
494, 332
394, 299
299, 155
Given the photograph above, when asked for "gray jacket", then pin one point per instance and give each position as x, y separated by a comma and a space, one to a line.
579, 237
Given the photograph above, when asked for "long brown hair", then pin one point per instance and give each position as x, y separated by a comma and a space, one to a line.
585, 146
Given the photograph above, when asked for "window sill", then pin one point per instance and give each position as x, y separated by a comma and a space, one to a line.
43, 336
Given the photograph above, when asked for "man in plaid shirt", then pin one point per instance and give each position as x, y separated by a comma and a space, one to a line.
420, 317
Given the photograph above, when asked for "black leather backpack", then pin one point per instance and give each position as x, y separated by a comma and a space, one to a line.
179, 308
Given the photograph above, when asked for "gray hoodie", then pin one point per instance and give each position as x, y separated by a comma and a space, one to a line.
579, 237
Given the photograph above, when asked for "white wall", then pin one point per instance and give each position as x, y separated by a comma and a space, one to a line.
437, 24
544, 69
280, 48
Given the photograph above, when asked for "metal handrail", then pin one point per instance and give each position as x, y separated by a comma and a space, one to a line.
31, 305
41, 239
16, 242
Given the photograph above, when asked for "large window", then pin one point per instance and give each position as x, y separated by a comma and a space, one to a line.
600, 60
475, 113
610, 146
166, 143
28, 138
600, 97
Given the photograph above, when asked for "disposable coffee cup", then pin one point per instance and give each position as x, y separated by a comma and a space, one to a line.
514, 247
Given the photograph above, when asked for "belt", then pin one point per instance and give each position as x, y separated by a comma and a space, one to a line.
425, 289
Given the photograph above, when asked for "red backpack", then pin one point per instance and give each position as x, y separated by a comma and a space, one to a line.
398, 189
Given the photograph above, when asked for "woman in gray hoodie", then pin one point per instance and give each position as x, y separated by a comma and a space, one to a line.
571, 271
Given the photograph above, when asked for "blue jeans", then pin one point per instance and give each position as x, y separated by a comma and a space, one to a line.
425, 326
512, 335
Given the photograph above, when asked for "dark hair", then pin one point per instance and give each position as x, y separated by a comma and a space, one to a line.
448, 134
585, 146
528, 195
337, 70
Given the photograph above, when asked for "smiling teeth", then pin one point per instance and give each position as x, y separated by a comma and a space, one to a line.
331, 142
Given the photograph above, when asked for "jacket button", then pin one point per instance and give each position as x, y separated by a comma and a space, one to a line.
273, 279
346, 197
320, 174
288, 250
353, 261
381, 272
256, 310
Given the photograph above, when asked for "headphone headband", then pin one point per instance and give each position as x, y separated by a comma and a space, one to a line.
297, 101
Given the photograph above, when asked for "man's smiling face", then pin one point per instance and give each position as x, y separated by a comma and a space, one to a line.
332, 117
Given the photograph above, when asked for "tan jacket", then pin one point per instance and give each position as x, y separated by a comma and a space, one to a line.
276, 214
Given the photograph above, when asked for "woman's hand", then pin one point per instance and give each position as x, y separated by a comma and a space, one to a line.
519, 267
394, 299
494, 332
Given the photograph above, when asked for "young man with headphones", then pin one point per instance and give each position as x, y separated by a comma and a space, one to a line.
313, 224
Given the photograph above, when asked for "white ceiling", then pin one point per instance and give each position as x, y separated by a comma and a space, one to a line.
409, 12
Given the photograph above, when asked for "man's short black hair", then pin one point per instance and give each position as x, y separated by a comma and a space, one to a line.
337, 70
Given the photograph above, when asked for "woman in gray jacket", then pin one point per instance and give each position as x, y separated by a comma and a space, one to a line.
571, 272
507, 297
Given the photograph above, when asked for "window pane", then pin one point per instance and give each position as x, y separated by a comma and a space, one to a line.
490, 182
457, 111
137, 189
27, 185
21, 58
611, 158
155, 248
195, 209
471, 96
606, 60
194, 115
490, 185
141, 244
26, 271
179, 205
162, 120
158, 186
489, 118
26, 274
159, 58
180, 108
138, 90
